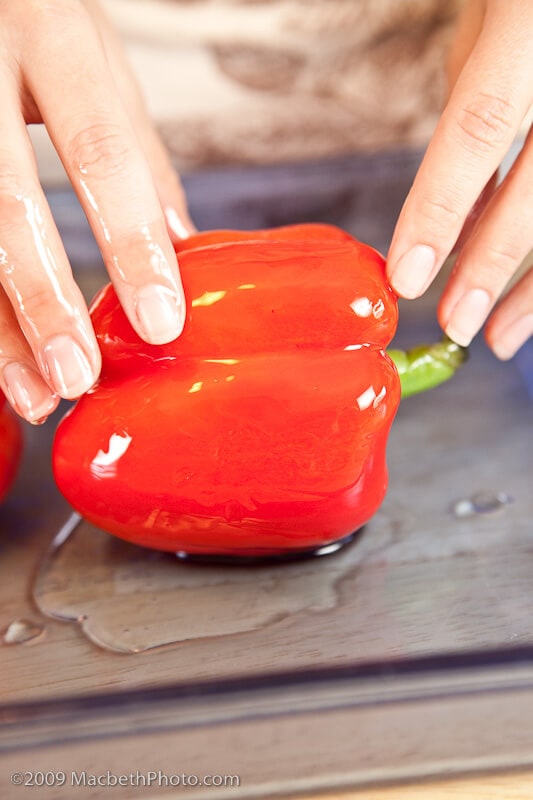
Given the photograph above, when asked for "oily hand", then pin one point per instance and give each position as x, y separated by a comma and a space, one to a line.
491, 73
65, 69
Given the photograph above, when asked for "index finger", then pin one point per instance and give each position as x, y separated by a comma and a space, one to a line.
485, 110
90, 128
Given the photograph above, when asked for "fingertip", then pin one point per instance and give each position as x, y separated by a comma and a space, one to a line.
412, 273
159, 313
507, 342
68, 367
467, 315
28, 393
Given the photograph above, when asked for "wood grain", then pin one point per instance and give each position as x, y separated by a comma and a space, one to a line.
513, 786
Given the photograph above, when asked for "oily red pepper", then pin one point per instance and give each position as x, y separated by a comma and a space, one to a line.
262, 429
10, 446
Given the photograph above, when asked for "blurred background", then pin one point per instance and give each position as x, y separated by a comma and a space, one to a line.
270, 81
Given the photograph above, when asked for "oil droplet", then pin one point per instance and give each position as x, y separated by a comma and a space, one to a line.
22, 631
208, 299
361, 307
480, 503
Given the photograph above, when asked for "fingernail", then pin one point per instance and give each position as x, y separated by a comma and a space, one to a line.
468, 316
176, 225
70, 371
513, 337
28, 393
414, 271
161, 313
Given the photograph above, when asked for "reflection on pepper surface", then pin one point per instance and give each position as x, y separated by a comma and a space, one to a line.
263, 428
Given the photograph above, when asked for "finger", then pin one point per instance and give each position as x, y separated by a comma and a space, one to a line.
105, 163
466, 33
20, 379
476, 211
490, 99
499, 243
167, 182
34, 270
511, 324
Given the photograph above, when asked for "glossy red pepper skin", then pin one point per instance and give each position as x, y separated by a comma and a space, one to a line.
10, 446
263, 428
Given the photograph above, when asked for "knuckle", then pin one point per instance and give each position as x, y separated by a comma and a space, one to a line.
101, 149
38, 297
440, 215
14, 188
51, 20
487, 121
10, 182
8, 326
503, 259
9, 186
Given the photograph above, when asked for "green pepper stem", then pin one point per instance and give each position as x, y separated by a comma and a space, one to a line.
427, 366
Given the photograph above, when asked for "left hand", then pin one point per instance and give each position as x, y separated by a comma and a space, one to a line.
491, 75
61, 65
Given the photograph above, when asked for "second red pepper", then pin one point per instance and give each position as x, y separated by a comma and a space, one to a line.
10, 446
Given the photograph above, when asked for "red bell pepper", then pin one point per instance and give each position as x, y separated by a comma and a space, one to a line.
263, 428
10, 446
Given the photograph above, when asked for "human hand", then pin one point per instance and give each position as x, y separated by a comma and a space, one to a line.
61, 64
491, 72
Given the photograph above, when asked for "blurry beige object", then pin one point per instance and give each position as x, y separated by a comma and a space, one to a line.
263, 81
274, 80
